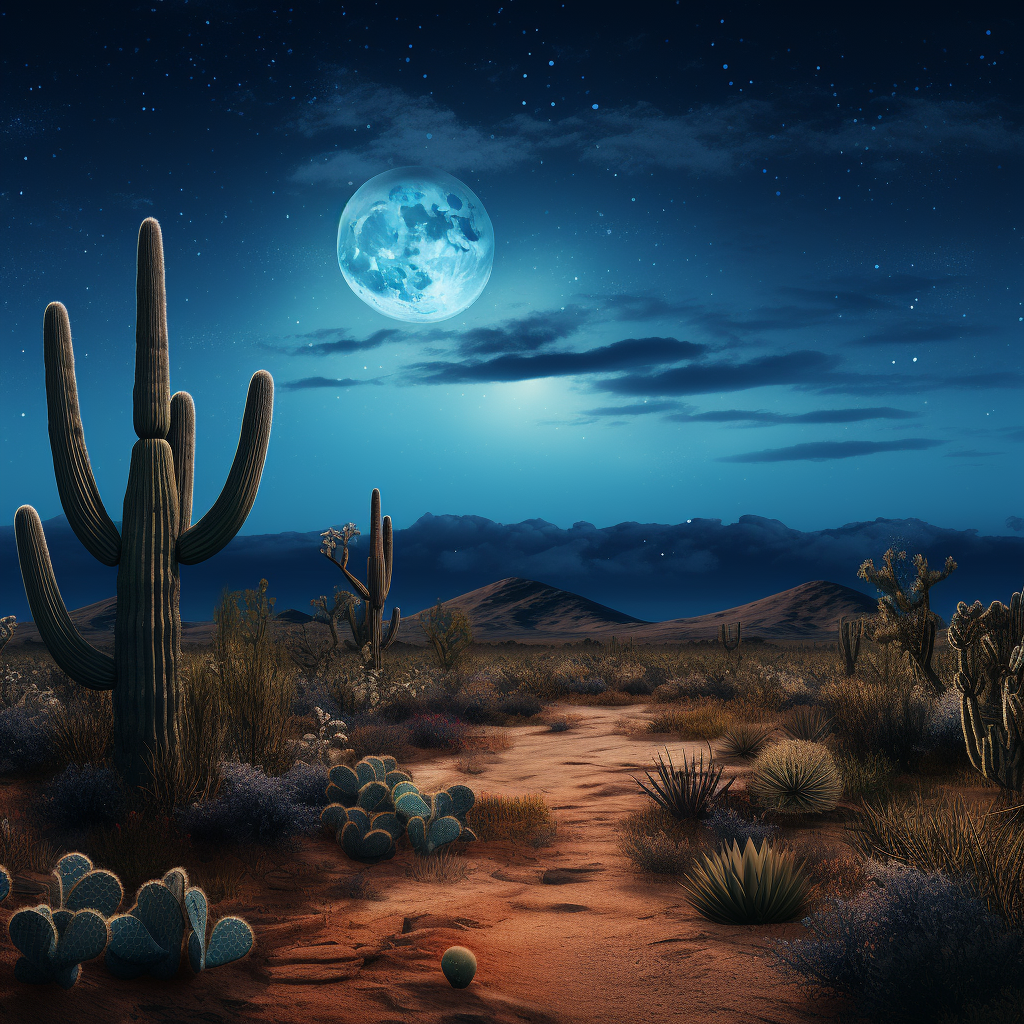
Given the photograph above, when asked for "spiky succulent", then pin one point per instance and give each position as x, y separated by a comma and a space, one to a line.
797, 777
805, 722
689, 791
745, 739
755, 885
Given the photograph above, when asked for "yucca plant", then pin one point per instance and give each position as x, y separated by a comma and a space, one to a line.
806, 722
758, 885
797, 777
745, 739
689, 791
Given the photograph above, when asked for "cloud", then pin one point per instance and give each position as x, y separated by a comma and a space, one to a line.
375, 127
639, 409
620, 355
791, 368
773, 418
310, 383
920, 334
849, 383
822, 451
1015, 523
519, 334
341, 343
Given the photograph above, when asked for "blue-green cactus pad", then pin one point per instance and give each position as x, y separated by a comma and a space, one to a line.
390, 763
443, 830
462, 798
5, 884
84, 938
69, 870
467, 835
196, 907
417, 830
369, 847
61, 919
157, 908
402, 787
333, 816
34, 935
441, 805
344, 779
394, 777
388, 822
230, 940
132, 950
358, 817
378, 766
97, 890
374, 796
412, 805
176, 881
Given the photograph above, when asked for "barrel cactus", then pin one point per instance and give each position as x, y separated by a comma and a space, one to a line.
459, 966
156, 534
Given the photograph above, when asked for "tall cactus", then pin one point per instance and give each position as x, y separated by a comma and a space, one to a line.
990, 679
725, 636
156, 532
849, 642
378, 577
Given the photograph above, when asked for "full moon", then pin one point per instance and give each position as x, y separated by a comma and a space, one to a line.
416, 244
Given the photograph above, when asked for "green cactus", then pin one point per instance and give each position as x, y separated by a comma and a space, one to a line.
346, 785
156, 535
434, 821
364, 837
990, 653
725, 636
78, 886
5, 884
54, 946
905, 618
849, 642
459, 966
378, 579
148, 939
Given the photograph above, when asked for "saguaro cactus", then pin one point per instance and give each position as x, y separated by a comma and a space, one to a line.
849, 642
378, 577
725, 636
156, 532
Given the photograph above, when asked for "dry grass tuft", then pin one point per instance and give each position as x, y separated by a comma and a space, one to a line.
443, 867
489, 742
514, 819
657, 843
703, 722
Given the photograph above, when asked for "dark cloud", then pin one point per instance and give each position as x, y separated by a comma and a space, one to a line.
620, 355
640, 409
792, 368
334, 340
648, 570
309, 383
519, 334
919, 334
844, 383
1015, 523
824, 451
772, 418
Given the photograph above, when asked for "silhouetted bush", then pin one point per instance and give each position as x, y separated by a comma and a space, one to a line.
916, 947
520, 702
307, 784
728, 825
83, 796
24, 743
252, 808
436, 732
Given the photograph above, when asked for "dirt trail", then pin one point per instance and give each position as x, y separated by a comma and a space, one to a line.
565, 933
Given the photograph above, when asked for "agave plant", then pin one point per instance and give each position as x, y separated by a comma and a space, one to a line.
758, 885
797, 777
689, 791
745, 739
805, 722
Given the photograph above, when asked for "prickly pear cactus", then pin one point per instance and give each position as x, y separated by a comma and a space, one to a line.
434, 821
53, 946
365, 837
346, 785
5, 884
79, 886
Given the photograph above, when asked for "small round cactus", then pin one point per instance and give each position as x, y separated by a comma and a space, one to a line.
459, 966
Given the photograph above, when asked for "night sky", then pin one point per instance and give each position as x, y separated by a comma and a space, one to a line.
746, 261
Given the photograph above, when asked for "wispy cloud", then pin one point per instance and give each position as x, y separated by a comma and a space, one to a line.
824, 451
335, 340
779, 418
311, 383
914, 334
620, 355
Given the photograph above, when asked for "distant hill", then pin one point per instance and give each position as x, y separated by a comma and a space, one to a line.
526, 611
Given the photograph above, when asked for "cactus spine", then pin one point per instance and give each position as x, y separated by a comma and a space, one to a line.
849, 642
990, 679
156, 532
378, 579
725, 636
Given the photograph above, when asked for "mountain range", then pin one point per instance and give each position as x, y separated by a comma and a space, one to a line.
651, 572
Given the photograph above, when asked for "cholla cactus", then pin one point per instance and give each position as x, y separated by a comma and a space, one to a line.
7, 627
378, 578
330, 734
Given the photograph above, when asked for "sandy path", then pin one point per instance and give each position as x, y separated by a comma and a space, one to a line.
565, 933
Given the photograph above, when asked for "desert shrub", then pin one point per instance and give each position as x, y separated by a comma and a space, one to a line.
745, 739
22, 849
80, 731
703, 722
730, 826
83, 796
380, 738
448, 632
639, 687
944, 733
520, 703
870, 776
716, 684
24, 741
656, 842
591, 686
253, 807
443, 867
519, 673
141, 847
437, 732
868, 717
476, 702
688, 791
307, 784
358, 887
757, 884
806, 722
917, 946
984, 847
832, 871
796, 777
515, 819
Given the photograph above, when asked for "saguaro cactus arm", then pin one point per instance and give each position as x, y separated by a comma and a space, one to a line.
182, 439
392, 634
225, 519
80, 660
79, 495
